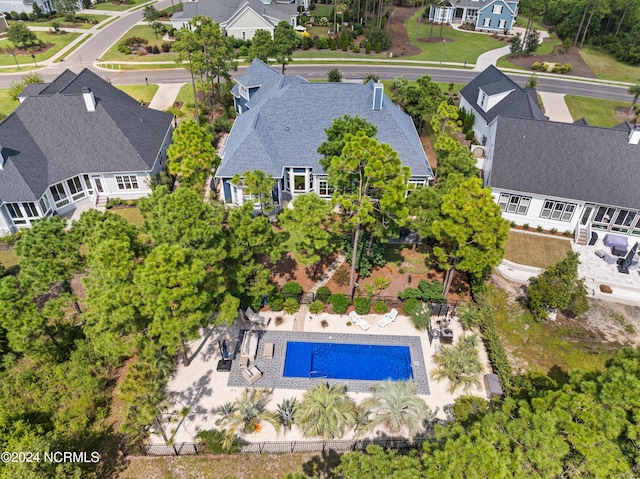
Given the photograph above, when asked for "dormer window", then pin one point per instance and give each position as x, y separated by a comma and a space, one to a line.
497, 9
482, 100
243, 91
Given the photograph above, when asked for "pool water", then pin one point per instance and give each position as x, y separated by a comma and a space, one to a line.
347, 361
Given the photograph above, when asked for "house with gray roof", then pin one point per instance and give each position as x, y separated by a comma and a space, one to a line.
238, 18
282, 121
496, 16
26, 6
76, 141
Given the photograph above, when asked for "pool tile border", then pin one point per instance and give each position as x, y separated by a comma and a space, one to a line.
272, 369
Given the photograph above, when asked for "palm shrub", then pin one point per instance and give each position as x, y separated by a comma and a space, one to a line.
470, 316
213, 442
397, 407
362, 305
339, 303
249, 413
287, 411
326, 410
291, 289
276, 302
316, 307
323, 294
290, 306
459, 364
225, 411
421, 317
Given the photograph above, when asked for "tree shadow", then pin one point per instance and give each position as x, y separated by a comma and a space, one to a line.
284, 267
559, 375
322, 465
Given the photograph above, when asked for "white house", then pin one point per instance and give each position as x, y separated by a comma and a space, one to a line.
571, 177
238, 18
26, 6
496, 16
76, 140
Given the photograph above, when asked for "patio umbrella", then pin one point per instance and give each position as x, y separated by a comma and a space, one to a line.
223, 349
626, 262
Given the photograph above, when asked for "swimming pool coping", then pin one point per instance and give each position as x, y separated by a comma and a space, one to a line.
272, 369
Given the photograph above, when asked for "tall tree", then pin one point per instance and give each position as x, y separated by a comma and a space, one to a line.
258, 184
309, 225
635, 91
370, 185
67, 7
336, 133
191, 153
186, 45
261, 46
471, 231
285, 40
150, 14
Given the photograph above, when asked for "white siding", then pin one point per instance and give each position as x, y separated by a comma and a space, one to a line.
247, 21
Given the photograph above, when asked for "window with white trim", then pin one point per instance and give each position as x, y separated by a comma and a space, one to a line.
497, 9
127, 182
486, 22
45, 206
60, 197
16, 214
88, 184
557, 210
514, 203
323, 187
75, 187
502, 24
30, 210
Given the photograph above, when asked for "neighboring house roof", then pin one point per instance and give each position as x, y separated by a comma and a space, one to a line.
223, 10
566, 160
519, 103
51, 136
489, 3
286, 126
475, 3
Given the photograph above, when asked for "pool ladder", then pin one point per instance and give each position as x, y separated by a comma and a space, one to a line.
318, 375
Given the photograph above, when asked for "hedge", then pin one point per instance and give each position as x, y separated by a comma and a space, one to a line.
362, 305
339, 302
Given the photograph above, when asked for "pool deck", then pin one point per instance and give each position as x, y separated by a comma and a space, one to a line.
202, 389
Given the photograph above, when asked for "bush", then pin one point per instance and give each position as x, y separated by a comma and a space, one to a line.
290, 306
420, 317
362, 305
339, 303
539, 228
165, 47
341, 276
141, 52
323, 293
23, 16
7, 15
291, 289
536, 66
316, 307
132, 41
365, 260
410, 306
431, 291
155, 50
380, 307
276, 302
357, 30
324, 323
553, 231
322, 43
149, 48
124, 49
526, 226
279, 320
380, 38
565, 68
211, 442
409, 293
15, 15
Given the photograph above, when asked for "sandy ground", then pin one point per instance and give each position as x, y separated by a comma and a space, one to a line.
203, 390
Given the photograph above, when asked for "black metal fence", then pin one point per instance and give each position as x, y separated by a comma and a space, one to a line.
190, 448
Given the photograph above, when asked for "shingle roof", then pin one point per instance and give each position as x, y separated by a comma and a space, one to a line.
222, 10
519, 103
287, 126
475, 3
567, 160
52, 137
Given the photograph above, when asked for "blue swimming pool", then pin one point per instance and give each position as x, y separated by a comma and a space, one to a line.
347, 361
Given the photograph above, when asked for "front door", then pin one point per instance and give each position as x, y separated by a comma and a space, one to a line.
98, 182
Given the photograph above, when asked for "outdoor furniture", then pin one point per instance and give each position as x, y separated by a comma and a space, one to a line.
249, 348
388, 318
492, 385
224, 365
251, 375
359, 320
268, 350
615, 241
594, 238
393, 314
606, 256
257, 318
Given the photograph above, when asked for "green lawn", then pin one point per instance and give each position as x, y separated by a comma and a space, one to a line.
118, 7
607, 67
142, 31
8, 258
546, 346
142, 93
466, 46
597, 112
59, 42
7, 105
535, 250
323, 11
328, 53
93, 20
132, 215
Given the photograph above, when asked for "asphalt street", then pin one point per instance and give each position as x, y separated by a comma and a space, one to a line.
98, 44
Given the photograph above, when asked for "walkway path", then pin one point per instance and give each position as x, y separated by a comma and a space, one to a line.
303, 312
555, 107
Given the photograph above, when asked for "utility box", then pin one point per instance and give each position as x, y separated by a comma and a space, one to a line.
492, 385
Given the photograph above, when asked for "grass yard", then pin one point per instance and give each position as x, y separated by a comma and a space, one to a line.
550, 347
118, 7
59, 42
132, 215
142, 93
597, 112
535, 250
92, 20
142, 31
465, 46
8, 258
7, 105
608, 68
323, 11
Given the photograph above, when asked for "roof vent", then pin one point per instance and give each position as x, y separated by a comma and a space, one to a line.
89, 99
634, 135
378, 95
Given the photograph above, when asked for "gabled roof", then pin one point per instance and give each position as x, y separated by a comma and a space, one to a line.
261, 75
491, 2
475, 3
567, 160
223, 10
51, 136
286, 126
519, 103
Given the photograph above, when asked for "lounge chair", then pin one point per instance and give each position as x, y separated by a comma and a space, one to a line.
251, 375
385, 321
268, 350
355, 317
257, 318
363, 324
393, 314
249, 348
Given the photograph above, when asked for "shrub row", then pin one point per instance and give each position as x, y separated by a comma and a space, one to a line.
429, 291
557, 68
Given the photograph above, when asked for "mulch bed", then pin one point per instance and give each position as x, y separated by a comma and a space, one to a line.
400, 45
572, 57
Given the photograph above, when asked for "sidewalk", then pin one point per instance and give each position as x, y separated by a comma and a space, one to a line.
555, 107
165, 96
